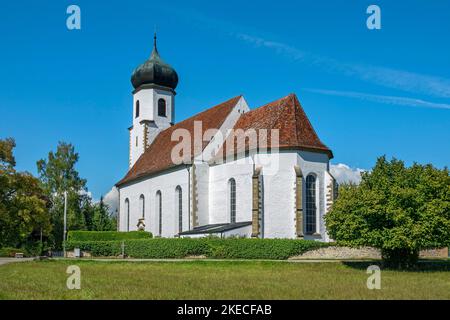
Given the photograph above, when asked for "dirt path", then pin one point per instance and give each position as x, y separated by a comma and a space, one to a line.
11, 260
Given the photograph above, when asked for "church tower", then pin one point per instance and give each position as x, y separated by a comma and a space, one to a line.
154, 84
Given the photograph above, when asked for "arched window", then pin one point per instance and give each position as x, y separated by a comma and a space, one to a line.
311, 209
159, 211
137, 109
142, 205
127, 213
179, 201
232, 199
162, 108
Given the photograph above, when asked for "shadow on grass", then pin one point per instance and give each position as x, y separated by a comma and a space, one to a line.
423, 265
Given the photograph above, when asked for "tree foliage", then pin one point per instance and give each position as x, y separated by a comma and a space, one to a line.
101, 218
395, 208
24, 216
58, 174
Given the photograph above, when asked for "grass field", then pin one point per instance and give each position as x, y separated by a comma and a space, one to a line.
219, 280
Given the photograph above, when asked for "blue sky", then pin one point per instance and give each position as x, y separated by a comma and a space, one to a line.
366, 92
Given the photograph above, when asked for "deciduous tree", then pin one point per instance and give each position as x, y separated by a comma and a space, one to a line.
395, 208
58, 174
24, 216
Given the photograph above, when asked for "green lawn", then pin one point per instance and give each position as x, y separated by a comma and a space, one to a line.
219, 280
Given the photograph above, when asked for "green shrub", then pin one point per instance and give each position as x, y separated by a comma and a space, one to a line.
166, 248
277, 249
159, 248
97, 248
9, 252
106, 235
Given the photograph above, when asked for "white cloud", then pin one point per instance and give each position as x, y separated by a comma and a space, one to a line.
404, 80
112, 200
83, 192
279, 47
391, 78
394, 100
344, 174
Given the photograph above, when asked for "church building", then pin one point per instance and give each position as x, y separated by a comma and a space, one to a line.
276, 184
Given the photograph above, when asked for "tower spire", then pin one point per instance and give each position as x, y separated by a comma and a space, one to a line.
155, 49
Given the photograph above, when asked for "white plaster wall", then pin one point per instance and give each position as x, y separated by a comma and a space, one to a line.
317, 164
146, 105
203, 183
152, 132
163, 122
278, 186
328, 180
166, 183
148, 110
218, 191
148, 101
279, 198
136, 150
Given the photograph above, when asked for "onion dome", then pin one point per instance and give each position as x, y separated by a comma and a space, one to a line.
155, 71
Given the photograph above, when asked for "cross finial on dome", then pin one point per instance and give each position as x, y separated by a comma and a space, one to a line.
155, 49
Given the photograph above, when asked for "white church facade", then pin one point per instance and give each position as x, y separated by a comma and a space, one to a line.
278, 187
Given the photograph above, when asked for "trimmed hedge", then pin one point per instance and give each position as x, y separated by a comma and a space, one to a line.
276, 249
106, 235
98, 248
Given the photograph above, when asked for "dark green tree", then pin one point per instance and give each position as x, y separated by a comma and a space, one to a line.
24, 215
395, 208
58, 174
102, 220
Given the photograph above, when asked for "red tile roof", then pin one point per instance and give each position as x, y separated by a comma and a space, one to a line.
285, 114
157, 156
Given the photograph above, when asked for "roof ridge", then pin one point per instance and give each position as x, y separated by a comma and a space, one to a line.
297, 129
191, 117
282, 113
267, 105
311, 126
280, 106
204, 111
